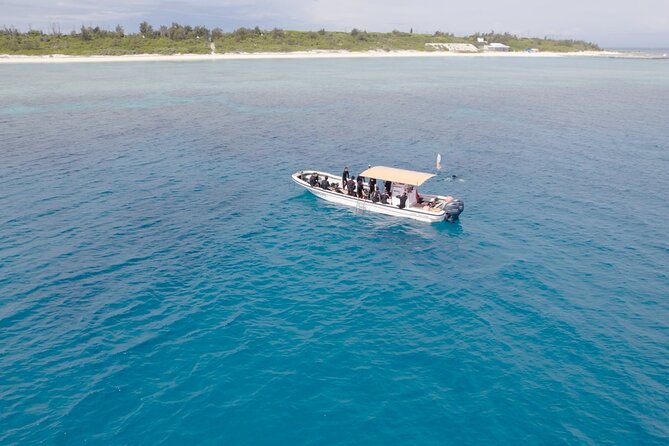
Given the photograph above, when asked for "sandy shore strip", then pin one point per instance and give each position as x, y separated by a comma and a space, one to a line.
60, 58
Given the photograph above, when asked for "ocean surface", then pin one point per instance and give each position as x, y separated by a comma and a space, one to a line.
644, 53
163, 281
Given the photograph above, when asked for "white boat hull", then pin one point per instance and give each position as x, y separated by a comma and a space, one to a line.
431, 215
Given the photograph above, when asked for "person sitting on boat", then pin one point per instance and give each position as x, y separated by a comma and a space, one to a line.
344, 176
360, 186
384, 197
375, 196
350, 185
313, 180
324, 183
403, 200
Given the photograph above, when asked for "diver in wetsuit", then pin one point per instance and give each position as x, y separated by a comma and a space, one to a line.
403, 201
372, 186
344, 177
325, 184
313, 180
350, 185
360, 186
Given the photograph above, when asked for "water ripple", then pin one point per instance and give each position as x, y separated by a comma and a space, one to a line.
163, 281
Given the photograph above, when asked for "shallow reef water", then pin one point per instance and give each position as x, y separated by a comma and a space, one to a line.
163, 281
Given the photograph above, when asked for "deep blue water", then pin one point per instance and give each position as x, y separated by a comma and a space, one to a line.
162, 280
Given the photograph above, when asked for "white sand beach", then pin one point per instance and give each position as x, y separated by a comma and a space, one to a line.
60, 58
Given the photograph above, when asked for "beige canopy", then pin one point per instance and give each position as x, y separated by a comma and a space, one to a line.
397, 175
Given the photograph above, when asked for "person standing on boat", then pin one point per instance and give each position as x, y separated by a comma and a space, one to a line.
350, 185
388, 185
344, 177
325, 184
372, 186
360, 186
403, 200
313, 180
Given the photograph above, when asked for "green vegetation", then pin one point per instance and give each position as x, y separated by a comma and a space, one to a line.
179, 39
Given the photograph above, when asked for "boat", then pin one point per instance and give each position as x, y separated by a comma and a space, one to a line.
426, 208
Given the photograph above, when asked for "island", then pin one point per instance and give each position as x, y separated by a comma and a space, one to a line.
177, 39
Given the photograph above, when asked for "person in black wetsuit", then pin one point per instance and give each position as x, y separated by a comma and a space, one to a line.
313, 180
325, 184
375, 196
403, 201
388, 186
344, 177
350, 185
372, 186
384, 197
360, 186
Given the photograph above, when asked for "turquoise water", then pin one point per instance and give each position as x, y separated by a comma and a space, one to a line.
162, 280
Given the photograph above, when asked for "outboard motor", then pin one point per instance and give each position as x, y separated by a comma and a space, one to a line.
454, 209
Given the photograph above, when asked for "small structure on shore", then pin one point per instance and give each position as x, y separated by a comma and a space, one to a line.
454, 47
500, 47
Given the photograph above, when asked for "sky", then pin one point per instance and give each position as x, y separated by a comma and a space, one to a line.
609, 23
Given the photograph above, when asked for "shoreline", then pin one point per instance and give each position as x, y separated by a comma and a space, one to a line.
61, 58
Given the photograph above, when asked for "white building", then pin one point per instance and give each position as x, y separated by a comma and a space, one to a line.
496, 47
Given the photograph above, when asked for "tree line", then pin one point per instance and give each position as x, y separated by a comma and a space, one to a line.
176, 31
178, 38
